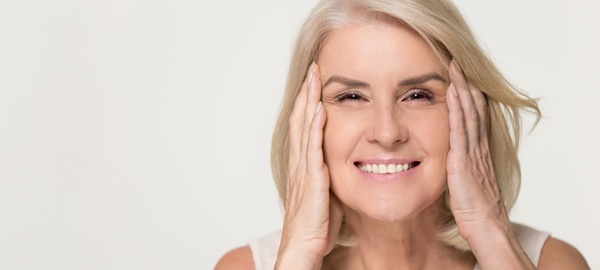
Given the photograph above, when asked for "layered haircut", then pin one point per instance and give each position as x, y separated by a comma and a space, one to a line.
442, 26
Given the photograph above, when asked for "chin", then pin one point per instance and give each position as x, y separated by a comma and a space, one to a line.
391, 216
390, 205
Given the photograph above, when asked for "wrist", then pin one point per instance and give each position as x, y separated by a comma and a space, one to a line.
295, 260
297, 256
497, 247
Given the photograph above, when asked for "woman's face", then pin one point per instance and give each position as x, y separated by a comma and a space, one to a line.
384, 94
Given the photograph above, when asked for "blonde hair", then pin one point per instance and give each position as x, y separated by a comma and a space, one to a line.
442, 26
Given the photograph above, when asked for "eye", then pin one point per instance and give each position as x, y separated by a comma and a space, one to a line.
349, 97
419, 95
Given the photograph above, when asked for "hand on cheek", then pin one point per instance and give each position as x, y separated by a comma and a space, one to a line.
313, 216
474, 195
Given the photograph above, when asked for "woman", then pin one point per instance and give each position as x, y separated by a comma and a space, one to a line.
392, 147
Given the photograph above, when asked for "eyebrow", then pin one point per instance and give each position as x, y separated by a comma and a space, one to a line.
423, 78
410, 81
345, 81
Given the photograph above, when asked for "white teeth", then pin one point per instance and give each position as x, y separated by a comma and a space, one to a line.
385, 168
391, 168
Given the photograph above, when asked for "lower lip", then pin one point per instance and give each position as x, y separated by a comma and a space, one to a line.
388, 177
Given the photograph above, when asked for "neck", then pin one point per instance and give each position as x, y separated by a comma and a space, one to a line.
408, 244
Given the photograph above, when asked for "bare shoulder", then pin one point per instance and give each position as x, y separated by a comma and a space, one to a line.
239, 258
557, 254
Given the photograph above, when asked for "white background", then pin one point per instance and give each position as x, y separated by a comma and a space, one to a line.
136, 134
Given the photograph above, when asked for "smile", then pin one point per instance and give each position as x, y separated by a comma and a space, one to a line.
387, 168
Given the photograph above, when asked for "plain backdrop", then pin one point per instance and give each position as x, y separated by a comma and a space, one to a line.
136, 134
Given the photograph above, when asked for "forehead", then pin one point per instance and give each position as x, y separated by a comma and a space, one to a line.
389, 52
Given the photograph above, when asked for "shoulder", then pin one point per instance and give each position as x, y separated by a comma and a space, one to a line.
239, 258
557, 254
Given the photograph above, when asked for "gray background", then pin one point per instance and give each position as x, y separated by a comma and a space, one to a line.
136, 134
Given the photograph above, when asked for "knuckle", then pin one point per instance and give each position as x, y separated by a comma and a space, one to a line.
499, 201
474, 114
312, 148
478, 155
305, 129
291, 119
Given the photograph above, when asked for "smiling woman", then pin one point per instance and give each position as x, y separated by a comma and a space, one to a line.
396, 147
398, 118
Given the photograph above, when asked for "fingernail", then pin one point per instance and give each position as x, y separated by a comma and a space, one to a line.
310, 74
457, 66
453, 89
318, 107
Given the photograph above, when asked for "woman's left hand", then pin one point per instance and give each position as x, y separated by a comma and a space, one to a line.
474, 195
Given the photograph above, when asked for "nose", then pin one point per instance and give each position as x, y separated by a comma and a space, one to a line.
386, 127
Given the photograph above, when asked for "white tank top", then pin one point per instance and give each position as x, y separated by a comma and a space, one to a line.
264, 249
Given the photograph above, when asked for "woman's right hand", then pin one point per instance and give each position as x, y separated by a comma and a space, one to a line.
313, 215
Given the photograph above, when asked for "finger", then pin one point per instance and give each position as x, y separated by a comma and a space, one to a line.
458, 137
313, 97
471, 115
486, 158
314, 151
296, 123
459, 76
482, 108
481, 105
477, 144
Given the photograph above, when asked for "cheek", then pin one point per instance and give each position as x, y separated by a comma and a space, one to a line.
431, 130
340, 136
